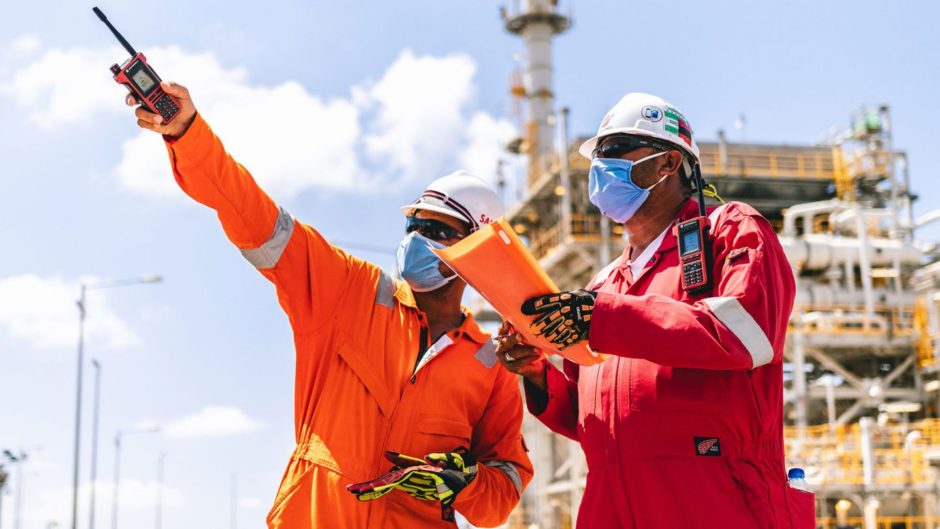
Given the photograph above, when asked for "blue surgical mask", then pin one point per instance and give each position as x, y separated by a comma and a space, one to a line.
418, 265
611, 187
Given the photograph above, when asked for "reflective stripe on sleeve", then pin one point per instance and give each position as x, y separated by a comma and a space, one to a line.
268, 254
385, 291
510, 471
486, 354
736, 318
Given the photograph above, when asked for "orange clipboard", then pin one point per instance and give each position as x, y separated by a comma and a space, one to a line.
495, 262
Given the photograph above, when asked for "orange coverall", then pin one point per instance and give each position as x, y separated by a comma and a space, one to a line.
357, 333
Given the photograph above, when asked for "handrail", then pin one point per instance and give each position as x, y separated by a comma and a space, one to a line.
882, 522
852, 319
833, 455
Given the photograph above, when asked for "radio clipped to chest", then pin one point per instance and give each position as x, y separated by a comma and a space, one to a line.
695, 245
694, 254
140, 79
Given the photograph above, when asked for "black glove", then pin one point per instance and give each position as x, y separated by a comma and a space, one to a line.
563, 318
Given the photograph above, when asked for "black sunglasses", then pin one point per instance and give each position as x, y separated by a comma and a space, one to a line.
432, 229
617, 146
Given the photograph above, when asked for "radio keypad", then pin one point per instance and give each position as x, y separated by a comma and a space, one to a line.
166, 107
692, 273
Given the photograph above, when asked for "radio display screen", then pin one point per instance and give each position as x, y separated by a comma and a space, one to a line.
143, 81
689, 242
141, 78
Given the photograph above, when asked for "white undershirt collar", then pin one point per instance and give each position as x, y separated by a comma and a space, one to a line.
637, 265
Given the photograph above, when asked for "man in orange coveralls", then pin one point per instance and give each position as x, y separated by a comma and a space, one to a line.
376, 357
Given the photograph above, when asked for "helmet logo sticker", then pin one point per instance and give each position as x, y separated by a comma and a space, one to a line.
484, 219
651, 113
607, 118
676, 124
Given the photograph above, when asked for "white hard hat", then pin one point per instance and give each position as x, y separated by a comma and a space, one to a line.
461, 195
646, 115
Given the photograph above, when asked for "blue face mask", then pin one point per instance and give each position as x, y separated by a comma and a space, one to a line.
418, 265
611, 187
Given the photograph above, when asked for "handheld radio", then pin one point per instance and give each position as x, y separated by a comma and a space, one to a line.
140, 79
695, 252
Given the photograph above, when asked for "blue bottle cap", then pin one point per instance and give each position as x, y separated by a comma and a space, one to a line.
796, 473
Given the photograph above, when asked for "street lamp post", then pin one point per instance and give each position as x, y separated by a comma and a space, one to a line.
78, 386
78, 403
94, 443
18, 506
117, 469
18, 460
3, 481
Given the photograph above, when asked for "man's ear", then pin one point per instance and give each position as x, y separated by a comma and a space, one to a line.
672, 162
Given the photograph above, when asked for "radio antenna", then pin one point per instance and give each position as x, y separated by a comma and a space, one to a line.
127, 45
700, 184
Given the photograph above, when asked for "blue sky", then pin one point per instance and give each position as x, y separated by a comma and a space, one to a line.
343, 110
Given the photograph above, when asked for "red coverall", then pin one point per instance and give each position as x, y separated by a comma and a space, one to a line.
682, 426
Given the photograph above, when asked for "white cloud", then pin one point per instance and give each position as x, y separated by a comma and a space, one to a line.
138, 494
213, 421
292, 140
419, 120
134, 495
486, 139
66, 86
43, 312
413, 124
26, 44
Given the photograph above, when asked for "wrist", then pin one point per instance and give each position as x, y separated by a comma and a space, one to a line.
186, 124
537, 376
536, 396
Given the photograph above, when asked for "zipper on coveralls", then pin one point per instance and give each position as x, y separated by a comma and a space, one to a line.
422, 349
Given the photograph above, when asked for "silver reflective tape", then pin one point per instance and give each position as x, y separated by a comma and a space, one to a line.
268, 254
385, 291
510, 471
736, 318
486, 354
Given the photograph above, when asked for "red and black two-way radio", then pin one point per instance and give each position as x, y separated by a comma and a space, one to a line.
695, 248
140, 79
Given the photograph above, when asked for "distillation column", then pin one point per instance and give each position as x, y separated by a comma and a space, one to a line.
537, 22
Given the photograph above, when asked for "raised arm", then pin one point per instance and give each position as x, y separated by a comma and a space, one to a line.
282, 249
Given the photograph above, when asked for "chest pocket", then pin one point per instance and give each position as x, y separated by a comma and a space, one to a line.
656, 387
367, 373
441, 433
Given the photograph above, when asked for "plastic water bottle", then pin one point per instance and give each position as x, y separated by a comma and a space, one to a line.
797, 479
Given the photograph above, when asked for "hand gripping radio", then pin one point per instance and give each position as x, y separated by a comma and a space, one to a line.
695, 248
140, 79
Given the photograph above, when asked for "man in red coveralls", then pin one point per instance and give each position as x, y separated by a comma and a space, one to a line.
682, 425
